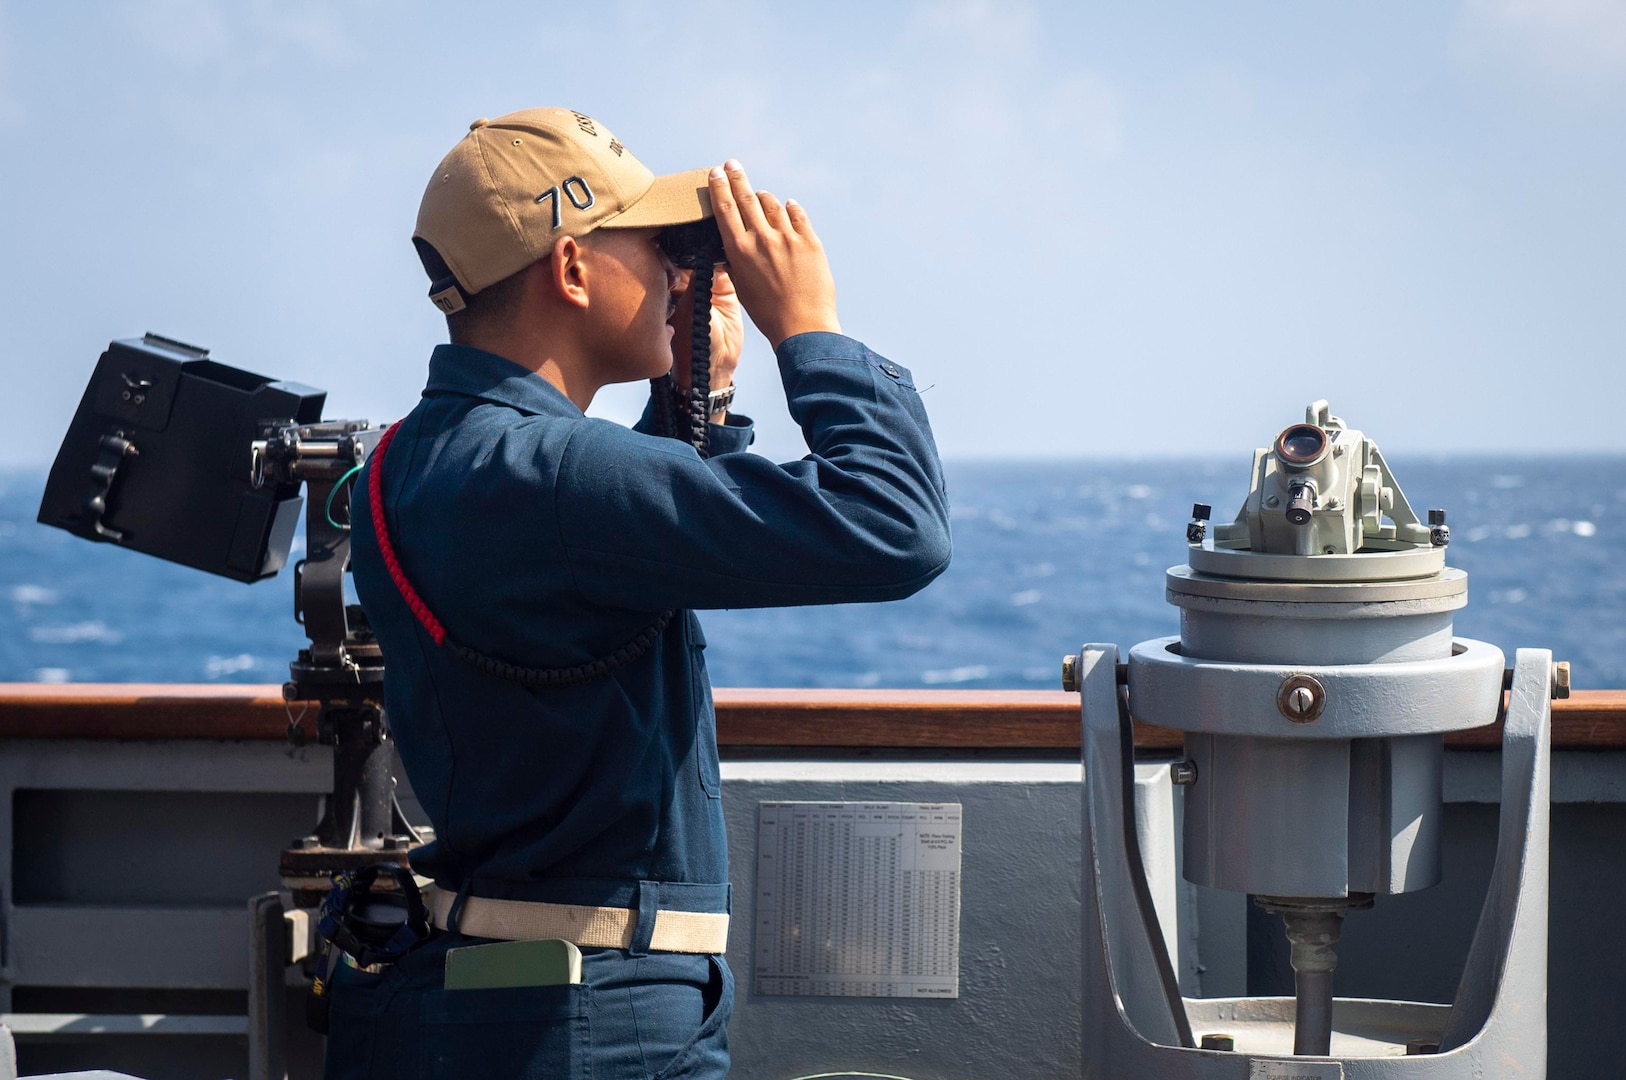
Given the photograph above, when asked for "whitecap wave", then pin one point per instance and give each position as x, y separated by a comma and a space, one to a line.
218, 667
32, 594
969, 673
84, 633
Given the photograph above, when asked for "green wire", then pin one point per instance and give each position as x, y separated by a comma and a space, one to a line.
328, 509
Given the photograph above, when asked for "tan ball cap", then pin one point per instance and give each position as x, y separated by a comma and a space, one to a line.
515, 184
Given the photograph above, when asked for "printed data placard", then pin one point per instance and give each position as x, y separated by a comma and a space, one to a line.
858, 899
1261, 1069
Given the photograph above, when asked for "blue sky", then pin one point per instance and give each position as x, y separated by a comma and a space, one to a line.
1090, 228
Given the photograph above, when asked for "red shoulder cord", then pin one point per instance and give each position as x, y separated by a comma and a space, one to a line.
491, 665
375, 495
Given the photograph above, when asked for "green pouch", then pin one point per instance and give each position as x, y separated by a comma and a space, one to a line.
551, 962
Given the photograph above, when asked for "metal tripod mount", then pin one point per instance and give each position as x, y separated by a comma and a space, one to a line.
342, 670
1314, 677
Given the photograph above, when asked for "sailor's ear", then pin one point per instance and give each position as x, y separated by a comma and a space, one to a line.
567, 271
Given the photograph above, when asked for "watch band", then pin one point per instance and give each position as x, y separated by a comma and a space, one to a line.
719, 400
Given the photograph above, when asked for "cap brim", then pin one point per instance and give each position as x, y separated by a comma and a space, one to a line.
674, 199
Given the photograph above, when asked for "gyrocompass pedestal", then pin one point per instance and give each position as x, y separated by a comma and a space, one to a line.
1315, 676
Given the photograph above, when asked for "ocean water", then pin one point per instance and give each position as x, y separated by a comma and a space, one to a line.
1047, 556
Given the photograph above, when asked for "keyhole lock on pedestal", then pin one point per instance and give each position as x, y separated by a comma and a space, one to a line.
1301, 698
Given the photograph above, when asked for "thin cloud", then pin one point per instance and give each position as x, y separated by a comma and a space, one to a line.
993, 32
204, 33
1085, 109
1570, 46
971, 87
189, 32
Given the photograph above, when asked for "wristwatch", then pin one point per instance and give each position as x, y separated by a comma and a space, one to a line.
719, 400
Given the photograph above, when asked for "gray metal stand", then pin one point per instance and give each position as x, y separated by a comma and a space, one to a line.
1135, 1024
268, 959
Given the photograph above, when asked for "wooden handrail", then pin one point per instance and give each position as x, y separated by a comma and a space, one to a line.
1007, 720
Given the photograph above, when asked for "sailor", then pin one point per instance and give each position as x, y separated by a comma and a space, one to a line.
532, 576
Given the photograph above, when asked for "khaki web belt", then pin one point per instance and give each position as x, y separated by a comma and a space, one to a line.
588, 927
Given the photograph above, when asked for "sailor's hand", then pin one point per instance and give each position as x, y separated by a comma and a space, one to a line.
727, 330
776, 259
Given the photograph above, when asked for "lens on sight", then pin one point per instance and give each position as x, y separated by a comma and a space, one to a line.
1301, 444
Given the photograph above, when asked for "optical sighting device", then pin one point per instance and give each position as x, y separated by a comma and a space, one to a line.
178, 456
157, 460
1314, 677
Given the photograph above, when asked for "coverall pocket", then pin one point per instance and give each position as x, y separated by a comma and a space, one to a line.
705, 1057
705, 718
358, 1001
520, 1033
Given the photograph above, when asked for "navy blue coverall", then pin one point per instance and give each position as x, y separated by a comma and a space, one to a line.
549, 539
